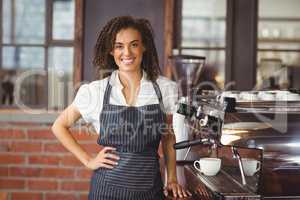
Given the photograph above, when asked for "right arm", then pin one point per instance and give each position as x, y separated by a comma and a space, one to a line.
61, 130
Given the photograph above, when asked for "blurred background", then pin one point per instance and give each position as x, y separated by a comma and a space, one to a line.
46, 46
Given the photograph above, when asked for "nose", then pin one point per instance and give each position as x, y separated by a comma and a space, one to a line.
127, 50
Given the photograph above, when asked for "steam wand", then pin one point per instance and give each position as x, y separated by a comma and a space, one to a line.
237, 155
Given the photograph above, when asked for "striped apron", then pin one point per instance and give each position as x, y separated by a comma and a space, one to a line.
135, 132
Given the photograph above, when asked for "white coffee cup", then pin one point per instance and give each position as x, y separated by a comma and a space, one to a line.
267, 96
249, 96
208, 166
293, 97
282, 95
288, 96
251, 166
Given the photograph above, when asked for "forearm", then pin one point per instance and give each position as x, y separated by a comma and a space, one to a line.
170, 156
64, 135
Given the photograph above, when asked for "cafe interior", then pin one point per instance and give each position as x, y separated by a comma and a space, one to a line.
237, 66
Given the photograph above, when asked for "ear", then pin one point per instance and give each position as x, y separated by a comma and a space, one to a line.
111, 53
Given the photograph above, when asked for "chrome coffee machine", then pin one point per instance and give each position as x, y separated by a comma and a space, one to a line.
205, 119
263, 126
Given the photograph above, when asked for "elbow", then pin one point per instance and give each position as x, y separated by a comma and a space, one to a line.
56, 126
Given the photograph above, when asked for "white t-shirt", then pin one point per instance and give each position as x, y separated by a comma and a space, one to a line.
89, 98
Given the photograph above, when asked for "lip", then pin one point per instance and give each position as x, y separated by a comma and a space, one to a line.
127, 61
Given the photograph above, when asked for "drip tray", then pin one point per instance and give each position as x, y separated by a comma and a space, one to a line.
221, 186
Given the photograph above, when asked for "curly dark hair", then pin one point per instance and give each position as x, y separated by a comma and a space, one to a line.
104, 61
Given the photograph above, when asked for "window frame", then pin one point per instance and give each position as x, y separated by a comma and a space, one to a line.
173, 34
76, 43
241, 31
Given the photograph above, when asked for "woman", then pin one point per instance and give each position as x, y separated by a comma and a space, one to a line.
131, 110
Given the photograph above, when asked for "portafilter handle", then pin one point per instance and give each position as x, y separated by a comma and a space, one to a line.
189, 143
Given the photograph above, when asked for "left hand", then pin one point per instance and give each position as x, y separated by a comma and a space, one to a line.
176, 189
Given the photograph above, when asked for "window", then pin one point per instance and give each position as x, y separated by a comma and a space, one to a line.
278, 55
202, 31
38, 52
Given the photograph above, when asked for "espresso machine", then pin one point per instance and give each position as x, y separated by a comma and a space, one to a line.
206, 119
235, 125
199, 135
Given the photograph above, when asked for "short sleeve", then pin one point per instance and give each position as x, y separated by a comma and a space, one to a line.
83, 102
170, 97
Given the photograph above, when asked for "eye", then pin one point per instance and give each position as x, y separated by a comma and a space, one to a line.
135, 44
118, 46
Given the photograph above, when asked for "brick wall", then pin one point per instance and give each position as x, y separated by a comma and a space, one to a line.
33, 165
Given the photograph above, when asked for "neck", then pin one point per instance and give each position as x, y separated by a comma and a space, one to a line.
130, 79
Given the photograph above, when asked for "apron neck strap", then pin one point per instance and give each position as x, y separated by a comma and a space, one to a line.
159, 95
107, 92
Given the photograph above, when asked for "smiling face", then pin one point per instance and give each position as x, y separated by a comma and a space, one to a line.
128, 50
